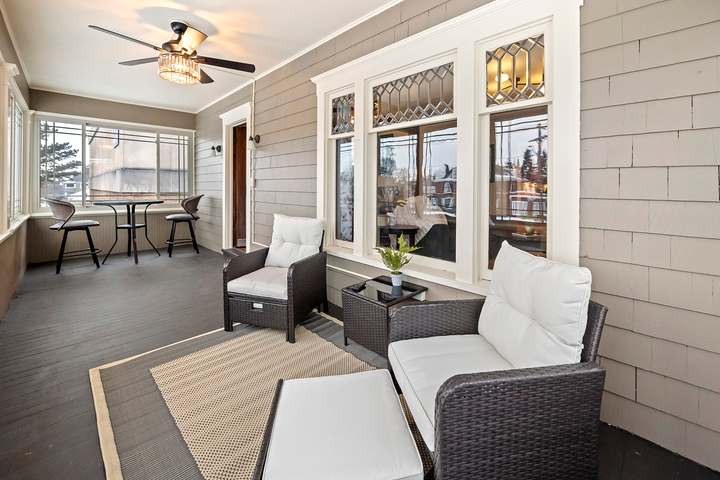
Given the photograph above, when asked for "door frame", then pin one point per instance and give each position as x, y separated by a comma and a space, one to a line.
241, 115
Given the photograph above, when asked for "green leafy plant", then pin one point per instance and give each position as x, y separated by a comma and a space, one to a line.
393, 259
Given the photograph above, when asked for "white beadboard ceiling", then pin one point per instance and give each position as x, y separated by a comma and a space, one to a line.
61, 54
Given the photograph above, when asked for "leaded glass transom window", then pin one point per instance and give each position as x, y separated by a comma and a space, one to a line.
343, 114
420, 95
516, 72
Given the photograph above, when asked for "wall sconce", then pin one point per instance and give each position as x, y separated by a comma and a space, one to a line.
215, 150
253, 142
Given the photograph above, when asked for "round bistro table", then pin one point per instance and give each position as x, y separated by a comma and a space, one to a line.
131, 226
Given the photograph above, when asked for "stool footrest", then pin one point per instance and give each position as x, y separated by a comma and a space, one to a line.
180, 241
76, 253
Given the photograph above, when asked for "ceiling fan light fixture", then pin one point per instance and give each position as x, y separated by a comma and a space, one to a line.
178, 68
191, 40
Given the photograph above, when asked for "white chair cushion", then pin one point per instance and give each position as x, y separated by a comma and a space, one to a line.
266, 282
293, 239
536, 312
348, 427
422, 365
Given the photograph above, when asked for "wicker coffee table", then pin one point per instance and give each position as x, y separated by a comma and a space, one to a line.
367, 307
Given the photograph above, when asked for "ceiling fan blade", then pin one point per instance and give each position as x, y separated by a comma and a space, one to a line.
125, 37
217, 62
204, 77
140, 61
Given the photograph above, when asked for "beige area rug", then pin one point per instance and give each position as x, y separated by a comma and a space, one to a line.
220, 397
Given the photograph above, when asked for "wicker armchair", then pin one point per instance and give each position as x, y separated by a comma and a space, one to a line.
540, 422
306, 289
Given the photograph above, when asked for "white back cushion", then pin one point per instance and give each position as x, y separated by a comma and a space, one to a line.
293, 239
536, 312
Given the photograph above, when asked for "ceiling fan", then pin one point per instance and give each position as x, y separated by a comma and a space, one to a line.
178, 60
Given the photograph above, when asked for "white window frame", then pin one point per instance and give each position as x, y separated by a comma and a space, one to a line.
484, 113
17, 100
371, 142
331, 188
7, 85
465, 40
109, 124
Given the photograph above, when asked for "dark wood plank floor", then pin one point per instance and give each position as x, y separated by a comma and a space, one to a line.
60, 326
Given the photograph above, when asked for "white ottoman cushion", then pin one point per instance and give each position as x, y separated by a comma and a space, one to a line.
347, 426
267, 282
422, 365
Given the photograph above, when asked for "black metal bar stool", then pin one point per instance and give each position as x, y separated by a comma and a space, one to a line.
190, 205
64, 211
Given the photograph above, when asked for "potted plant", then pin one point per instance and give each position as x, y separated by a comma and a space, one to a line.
394, 260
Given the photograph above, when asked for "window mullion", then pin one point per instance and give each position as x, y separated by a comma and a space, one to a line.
83, 165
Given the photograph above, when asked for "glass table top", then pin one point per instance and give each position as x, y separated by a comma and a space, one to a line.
381, 290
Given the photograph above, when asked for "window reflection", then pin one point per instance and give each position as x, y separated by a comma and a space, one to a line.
518, 181
417, 188
345, 196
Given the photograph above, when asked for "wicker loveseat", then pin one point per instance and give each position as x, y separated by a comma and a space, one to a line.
494, 407
277, 287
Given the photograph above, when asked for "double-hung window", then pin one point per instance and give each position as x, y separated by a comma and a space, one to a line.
15, 130
85, 162
417, 162
343, 168
466, 135
517, 141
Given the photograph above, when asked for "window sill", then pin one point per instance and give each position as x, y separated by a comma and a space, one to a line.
16, 223
420, 272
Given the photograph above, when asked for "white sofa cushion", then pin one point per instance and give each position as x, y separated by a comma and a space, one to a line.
536, 312
266, 282
349, 427
422, 365
293, 239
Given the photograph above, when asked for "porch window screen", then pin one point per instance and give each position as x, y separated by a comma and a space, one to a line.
119, 163
61, 161
127, 171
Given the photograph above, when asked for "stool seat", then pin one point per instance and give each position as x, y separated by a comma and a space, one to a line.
127, 226
182, 217
345, 426
75, 225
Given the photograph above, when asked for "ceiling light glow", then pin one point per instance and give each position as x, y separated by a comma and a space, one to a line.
178, 68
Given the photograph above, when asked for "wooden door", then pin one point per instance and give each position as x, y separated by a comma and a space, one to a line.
239, 184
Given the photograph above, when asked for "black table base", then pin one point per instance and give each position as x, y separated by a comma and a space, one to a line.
130, 226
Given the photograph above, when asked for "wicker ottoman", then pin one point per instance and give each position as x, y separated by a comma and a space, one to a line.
347, 426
